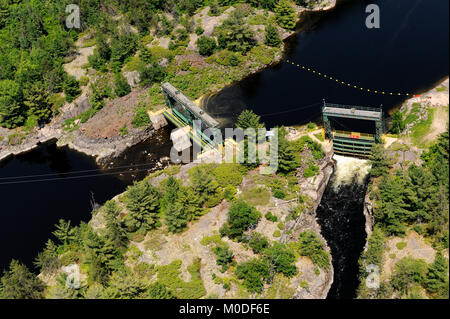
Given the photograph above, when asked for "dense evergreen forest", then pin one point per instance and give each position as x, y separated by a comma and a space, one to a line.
411, 198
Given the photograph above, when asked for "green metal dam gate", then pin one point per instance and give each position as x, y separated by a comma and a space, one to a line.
352, 143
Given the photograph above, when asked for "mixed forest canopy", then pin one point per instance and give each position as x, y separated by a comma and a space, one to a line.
35, 44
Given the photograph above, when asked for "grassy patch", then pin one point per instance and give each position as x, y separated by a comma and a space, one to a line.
319, 136
134, 64
15, 138
256, 196
168, 275
441, 89
401, 245
156, 241
412, 116
263, 54
280, 288
216, 239
422, 128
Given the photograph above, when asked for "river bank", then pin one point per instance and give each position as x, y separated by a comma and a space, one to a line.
15, 142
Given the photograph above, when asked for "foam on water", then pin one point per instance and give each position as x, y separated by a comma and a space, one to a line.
350, 170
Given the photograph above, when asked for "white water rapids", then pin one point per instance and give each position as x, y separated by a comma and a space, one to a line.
350, 170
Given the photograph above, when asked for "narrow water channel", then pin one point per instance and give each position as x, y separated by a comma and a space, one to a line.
341, 218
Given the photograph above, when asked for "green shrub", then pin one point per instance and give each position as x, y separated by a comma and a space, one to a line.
228, 174
206, 45
271, 217
263, 54
69, 258
123, 130
199, 30
258, 242
240, 217
122, 87
71, 88
311, 126
169, 276
272, 37
224, 257
141, 118
311, 171
253, 273
401, 245
185, 65
276, 233
281, 258
285, 14
279, 193
310, 245
229, 192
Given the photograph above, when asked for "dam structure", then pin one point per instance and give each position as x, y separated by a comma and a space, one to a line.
347, 142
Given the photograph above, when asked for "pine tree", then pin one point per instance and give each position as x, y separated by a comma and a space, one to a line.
122, 86
47, 260
146, 56
379, 161
64, 232
272, 37
142, 202
436, 279
285, 14
36, 99
12, 110
248, 119
176, 219
287, 157
20, 283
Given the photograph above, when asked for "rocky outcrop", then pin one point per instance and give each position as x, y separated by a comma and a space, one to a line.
368, 214
39, 137
105, 149
315, 187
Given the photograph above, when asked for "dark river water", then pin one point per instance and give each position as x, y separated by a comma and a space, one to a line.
59, 183
409, 53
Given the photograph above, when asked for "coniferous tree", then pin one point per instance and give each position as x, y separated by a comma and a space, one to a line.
285, 14
122, 86
18, 282
36, 100
142, 202
436, 279
64, 232
47, 260
272, 37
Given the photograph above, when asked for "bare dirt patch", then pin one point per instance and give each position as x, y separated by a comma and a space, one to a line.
114, 115
439, 124
415, 248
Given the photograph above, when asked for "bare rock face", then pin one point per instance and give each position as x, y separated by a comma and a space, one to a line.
133, 78
164, 62
193, 43
158, 121
315, 186
80, 105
